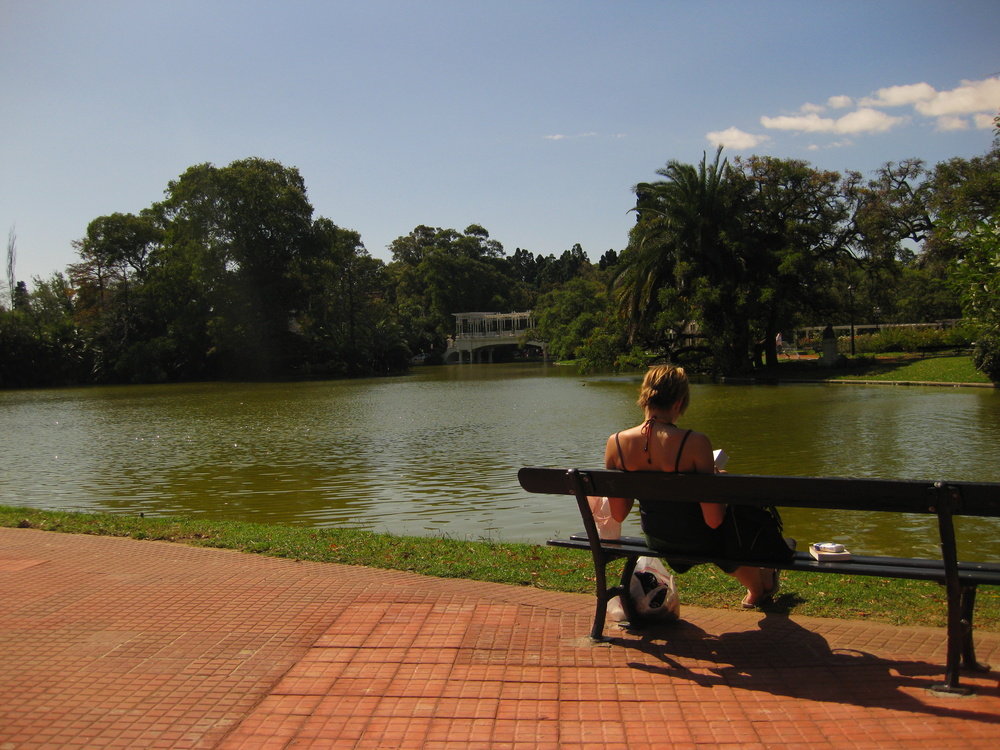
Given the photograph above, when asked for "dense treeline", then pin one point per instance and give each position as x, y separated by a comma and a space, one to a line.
231, 276
742, 252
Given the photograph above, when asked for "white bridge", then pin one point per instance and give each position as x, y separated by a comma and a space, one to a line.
479, 334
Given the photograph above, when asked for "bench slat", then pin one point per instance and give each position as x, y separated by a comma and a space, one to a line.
916, 569
830, 493
638, 542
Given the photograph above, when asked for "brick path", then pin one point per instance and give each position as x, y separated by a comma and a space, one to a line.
115, 643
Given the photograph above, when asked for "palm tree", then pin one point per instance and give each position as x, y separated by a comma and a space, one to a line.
681, 262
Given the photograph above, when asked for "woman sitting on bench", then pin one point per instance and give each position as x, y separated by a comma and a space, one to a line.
659, 445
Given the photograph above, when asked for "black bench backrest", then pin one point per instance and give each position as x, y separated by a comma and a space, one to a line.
899, 495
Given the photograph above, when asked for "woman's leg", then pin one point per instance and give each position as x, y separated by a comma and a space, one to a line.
760, 584
750, 577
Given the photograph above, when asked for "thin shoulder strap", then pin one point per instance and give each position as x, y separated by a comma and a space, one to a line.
677, 463
621, 456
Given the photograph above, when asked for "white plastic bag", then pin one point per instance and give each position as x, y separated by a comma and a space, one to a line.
654, 591
607, 527
616, 612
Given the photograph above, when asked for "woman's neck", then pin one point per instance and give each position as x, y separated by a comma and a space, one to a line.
662, 417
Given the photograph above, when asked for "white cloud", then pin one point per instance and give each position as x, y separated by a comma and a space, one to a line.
950, 122
836, 144
562, 137
735, 138
865, 120
898, 96
969, 98
834, 102
983, 122
809, 123
972, 104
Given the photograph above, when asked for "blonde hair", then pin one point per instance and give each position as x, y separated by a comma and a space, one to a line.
664, 386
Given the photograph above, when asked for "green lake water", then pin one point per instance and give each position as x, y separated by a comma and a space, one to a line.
437, 452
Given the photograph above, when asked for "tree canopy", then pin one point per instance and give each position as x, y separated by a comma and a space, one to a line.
231, 275
740, 251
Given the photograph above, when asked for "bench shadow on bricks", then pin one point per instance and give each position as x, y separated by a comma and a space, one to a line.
945, 500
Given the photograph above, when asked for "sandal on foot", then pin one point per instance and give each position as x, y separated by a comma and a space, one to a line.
765, 597
775, 585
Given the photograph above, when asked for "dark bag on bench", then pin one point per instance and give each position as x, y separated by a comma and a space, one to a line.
753, 533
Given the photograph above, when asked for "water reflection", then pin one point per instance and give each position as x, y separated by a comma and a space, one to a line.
437, 452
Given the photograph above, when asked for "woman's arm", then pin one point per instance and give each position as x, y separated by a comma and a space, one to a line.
714, 513
704, 463
620, 506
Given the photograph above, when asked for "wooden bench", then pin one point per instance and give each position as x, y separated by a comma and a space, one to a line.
942, 499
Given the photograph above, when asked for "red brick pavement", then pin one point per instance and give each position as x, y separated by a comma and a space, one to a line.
115, 643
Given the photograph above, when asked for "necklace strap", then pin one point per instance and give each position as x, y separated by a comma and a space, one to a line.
647, 429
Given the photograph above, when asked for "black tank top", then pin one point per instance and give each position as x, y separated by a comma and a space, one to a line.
681, 525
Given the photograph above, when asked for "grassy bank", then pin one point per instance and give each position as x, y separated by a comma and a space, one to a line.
900, 367
846, 597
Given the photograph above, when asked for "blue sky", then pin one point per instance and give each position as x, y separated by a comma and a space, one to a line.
533, 119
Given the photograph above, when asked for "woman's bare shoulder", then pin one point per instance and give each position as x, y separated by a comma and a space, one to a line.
699, 450
627, 433
698, 438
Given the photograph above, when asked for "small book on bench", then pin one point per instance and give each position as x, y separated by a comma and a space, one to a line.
828, 552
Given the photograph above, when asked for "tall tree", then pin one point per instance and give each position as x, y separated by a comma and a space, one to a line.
795, 229
248, 228
347, 324
39, 339
977, 229
115, 262
439, 272
569, 314
962, 193
11, 263
680, 264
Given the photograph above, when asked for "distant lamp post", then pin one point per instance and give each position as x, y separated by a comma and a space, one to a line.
878, 315
850, 296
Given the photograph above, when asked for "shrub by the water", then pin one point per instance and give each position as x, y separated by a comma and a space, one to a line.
986, 356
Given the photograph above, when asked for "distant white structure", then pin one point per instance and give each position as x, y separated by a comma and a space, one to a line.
479, 333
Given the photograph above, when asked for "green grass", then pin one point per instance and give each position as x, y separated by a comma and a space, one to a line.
937, 368
551, 568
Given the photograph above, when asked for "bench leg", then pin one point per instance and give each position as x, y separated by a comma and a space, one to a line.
600, 614
969, 661
958, 635
601, 610
605, 595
